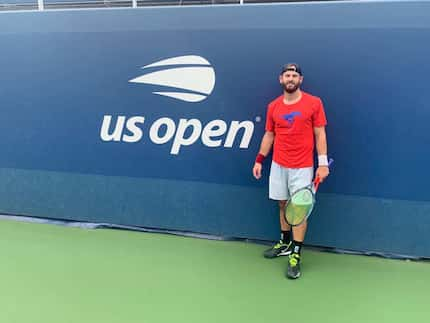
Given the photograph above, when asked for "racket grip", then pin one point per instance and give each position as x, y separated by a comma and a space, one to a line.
317, 182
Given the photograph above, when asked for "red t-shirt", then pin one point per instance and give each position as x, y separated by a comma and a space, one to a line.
293, 126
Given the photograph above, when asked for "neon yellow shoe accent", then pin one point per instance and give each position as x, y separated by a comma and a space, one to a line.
279, 244
294, 259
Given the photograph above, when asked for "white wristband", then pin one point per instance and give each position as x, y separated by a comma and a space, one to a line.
322, 160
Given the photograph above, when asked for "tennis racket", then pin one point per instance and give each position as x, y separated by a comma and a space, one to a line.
302, 202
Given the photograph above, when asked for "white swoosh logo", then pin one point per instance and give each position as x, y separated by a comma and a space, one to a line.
181, 60
196, 82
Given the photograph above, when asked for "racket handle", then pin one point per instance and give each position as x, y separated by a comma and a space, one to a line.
317, 182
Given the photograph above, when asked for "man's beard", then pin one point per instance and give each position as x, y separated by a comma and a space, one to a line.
291, 89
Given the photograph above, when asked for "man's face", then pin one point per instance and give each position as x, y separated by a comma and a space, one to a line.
290, 81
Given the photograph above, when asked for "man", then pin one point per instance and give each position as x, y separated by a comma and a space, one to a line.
295, 124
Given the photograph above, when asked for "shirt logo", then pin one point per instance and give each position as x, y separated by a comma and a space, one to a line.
290, 117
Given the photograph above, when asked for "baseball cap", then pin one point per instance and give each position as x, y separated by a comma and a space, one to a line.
291, 67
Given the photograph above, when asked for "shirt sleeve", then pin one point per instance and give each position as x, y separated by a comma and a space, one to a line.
270, 125
318, 118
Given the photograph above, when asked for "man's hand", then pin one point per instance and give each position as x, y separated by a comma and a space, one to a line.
322, 172
257, 170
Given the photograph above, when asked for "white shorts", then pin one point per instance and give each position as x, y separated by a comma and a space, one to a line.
283, 182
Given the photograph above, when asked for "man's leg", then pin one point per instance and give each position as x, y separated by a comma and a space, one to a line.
286, 236
284, 225
299, 178
293, 269
284, 246
278, 190
299, 232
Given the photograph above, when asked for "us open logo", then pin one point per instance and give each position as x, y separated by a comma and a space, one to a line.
188, 78
192, 80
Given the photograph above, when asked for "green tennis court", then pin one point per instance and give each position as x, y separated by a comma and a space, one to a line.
60, 274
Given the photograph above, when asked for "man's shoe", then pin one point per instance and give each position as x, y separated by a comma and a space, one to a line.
279, 249
293, 270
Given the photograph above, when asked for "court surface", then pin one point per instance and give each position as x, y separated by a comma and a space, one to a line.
59, 274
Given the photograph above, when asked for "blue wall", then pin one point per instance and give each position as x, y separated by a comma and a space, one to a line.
63, 71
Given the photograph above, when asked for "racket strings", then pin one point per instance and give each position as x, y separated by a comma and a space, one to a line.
299, 207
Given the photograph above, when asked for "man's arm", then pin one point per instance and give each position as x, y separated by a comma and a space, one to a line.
265, 147
321, 146
320, 140
266, 143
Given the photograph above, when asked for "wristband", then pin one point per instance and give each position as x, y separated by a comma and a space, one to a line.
260, 158
322, 160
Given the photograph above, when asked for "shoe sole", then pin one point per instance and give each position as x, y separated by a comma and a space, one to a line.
293, 277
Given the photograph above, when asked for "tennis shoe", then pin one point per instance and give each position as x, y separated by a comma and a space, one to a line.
279, 249
293, 269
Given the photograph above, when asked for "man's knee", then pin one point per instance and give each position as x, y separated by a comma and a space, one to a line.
302, 226
282, 204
